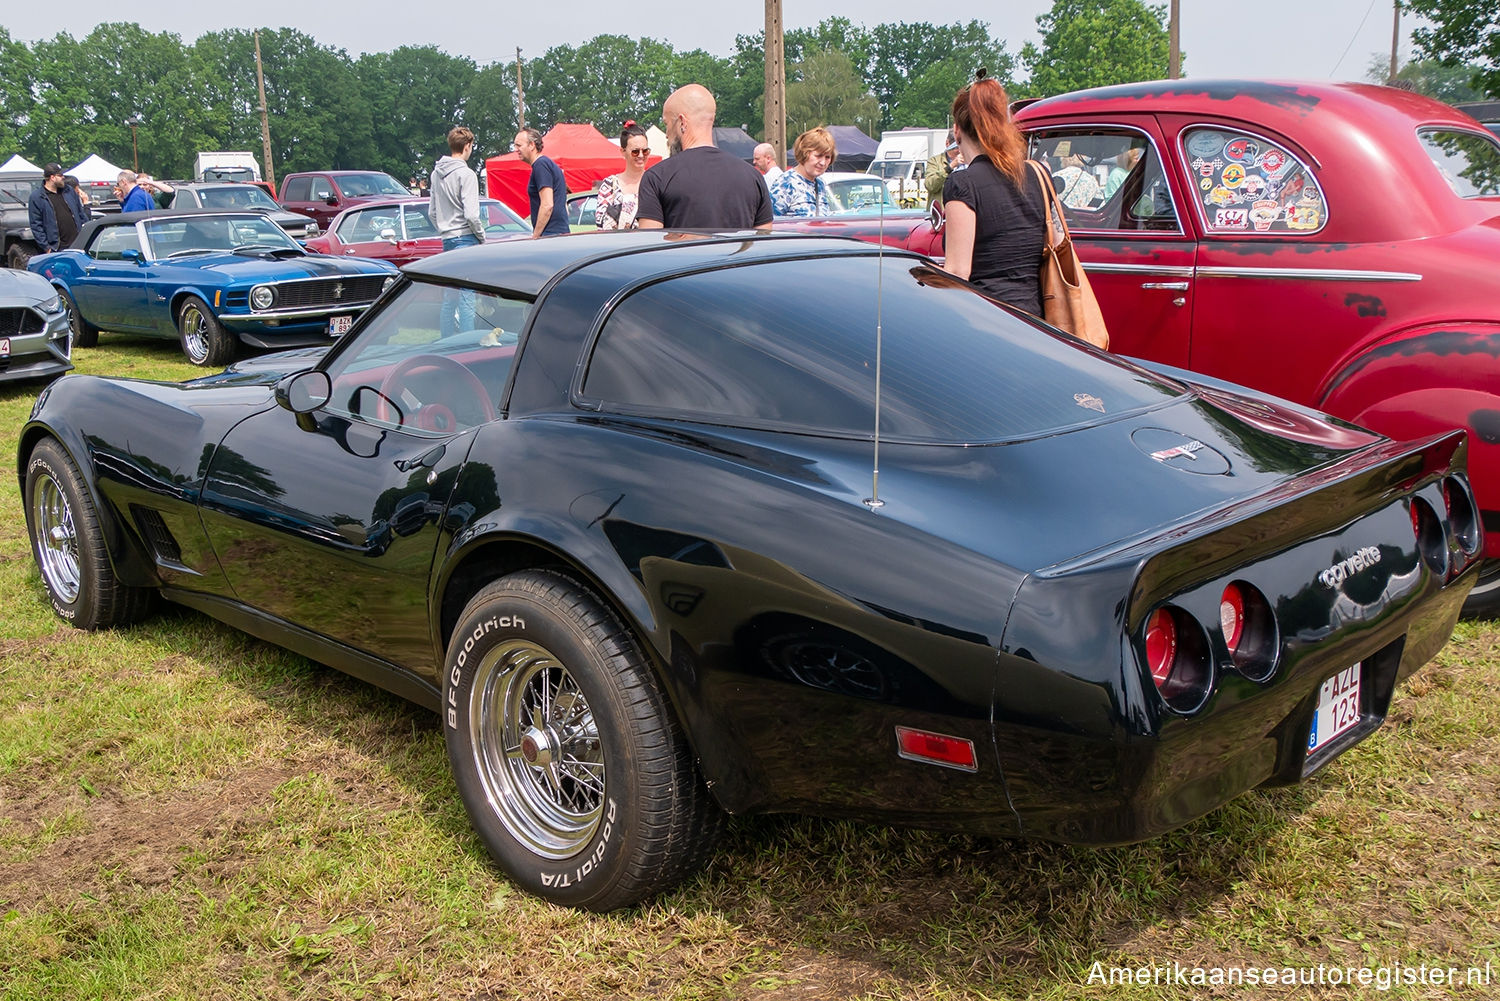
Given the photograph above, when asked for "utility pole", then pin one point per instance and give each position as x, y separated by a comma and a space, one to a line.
1174, 37
520, 94
775, 82
265, 123
1395, 39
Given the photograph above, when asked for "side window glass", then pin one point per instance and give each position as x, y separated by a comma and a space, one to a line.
111, 243
297, 189
1247, 184
1108, 179
418, 224
433, 361
355, 228
322, 190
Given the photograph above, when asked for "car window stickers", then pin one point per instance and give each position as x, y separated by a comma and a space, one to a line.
1249, 184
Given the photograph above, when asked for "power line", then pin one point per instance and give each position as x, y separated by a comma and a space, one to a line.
1353, 37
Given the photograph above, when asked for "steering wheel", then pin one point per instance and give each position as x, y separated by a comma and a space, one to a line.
433, 415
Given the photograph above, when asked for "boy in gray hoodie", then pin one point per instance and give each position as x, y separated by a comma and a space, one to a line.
455, 213
455, 193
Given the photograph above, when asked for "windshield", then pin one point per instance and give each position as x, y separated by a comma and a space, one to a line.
241, 196
890, 168
1468, 161
498, 218
367, 185
860, 195
215, 234
18, 192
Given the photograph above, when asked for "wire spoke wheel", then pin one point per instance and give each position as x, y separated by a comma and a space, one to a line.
56, 538
537, 749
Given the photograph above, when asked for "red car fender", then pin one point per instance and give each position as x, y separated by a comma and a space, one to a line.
1428, 379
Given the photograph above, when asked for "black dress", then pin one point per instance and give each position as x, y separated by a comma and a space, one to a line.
1010, 228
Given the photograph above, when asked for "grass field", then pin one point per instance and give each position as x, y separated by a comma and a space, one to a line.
186, 812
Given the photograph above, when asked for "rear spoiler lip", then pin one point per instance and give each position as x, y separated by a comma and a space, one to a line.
1441, 453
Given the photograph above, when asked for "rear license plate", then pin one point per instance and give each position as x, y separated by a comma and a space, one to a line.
4, 347
339, 325
1338, 708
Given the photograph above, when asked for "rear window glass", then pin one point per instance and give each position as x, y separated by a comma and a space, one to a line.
792, 344
1468, 161
1248, 184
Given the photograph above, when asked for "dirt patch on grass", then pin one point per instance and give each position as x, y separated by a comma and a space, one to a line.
139, 839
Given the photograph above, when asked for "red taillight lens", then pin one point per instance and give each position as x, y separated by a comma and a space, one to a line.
1161, 645
1232, 616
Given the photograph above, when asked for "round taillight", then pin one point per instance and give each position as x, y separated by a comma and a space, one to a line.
1161, 645
1463, 514
1177, 655
1232, 616
1431, 542
1249, 629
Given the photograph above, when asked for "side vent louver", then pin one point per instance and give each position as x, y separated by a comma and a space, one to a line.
156, 534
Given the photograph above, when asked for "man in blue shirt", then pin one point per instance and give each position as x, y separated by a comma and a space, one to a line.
547, 190
133, 197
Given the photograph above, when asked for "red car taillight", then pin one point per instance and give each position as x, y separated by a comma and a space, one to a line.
1249, 629
1176, 649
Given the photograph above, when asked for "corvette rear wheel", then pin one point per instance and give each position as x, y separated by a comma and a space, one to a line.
69, 546
204, 339
570, 763
85, 334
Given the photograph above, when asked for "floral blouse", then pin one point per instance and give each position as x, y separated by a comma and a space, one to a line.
794, 195
615, 207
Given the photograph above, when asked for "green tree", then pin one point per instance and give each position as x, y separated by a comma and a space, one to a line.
18, 83
416, 94
1452, 84
1462, 32
904, 55
828, 91
491, 111
1096, 43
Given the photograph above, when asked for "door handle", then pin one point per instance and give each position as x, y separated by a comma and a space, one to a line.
428, 459
1172, 286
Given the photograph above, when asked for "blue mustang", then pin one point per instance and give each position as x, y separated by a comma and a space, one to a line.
211, 279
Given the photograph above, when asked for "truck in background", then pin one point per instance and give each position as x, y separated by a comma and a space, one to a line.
15, 226
901, 159
219, 166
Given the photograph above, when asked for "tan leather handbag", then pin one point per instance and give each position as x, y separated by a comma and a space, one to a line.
1068, 301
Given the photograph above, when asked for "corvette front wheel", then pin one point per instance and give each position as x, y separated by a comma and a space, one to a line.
68, 544
204, 339
570, 763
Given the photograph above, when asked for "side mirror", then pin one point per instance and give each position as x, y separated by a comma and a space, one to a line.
331, 200
388, 235
937, 216
305, 391
134, 255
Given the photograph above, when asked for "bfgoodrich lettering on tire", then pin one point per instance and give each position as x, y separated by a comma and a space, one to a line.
565, 751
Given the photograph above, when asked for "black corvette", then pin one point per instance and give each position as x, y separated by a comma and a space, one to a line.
615, 507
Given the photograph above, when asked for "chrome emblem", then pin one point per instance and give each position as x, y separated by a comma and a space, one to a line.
1186, 449
1346, 568
1089, 400
338, 290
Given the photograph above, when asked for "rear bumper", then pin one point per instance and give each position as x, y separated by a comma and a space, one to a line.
1120, 788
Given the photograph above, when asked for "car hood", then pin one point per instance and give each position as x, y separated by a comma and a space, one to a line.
23, 286
241, 267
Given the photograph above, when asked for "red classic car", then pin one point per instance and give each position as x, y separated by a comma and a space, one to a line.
400, 230
1334, 244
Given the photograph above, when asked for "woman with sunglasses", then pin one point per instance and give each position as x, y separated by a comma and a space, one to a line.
996, 222
619, 195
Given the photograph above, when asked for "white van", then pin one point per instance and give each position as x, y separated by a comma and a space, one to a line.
901, 158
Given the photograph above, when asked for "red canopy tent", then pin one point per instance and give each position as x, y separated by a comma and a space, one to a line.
583, 153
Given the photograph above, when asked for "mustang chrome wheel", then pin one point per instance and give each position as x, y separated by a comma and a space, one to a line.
56, 538
194, 335
536, 748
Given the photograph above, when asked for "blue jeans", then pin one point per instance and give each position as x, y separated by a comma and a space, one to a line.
460, 301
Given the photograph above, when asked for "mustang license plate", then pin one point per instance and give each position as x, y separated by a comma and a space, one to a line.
339, 325
1338, 708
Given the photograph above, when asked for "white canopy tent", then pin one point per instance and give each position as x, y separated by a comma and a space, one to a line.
658, 141
95, 170
19, 164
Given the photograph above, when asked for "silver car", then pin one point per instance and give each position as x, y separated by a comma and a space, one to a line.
35, 342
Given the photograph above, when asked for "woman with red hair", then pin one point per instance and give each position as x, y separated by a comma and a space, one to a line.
996, 211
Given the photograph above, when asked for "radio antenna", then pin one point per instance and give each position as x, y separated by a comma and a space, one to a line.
873, 502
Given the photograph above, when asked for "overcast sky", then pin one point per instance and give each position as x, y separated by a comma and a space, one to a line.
1265, 38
